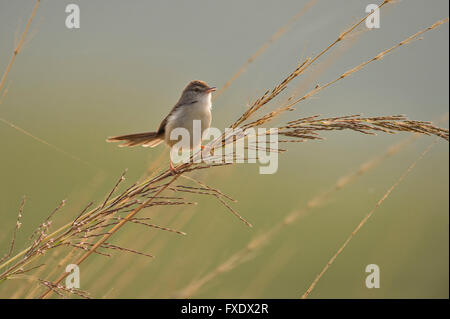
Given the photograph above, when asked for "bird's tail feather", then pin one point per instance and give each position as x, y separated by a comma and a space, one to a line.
149, 139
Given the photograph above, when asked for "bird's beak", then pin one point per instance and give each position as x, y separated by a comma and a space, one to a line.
211, 89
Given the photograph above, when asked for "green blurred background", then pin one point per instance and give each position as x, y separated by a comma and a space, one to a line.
126, 66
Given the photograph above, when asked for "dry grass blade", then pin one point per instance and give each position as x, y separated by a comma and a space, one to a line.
138, 221
44, 142
263, 48
121, 179
308, 128
364, 220
233, 211
110, 233
269, 95
19, 46
115, 247
3, 94
258, 242
60, 289
16, 228
23, 271
271, 115
218, 192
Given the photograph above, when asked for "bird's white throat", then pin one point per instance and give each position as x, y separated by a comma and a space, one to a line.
205, 101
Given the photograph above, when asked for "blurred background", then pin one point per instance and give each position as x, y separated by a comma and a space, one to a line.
124, 69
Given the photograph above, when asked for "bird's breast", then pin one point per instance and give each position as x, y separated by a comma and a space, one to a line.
184, 118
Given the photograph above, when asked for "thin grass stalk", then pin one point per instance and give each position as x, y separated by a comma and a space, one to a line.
19, 46
364, 221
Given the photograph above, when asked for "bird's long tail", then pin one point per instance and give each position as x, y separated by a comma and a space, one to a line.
149, 139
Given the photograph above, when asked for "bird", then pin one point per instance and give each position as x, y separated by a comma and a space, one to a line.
193, 104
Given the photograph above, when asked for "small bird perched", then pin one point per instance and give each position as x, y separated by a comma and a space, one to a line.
194, 104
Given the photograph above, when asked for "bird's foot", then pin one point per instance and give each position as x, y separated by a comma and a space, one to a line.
207, 148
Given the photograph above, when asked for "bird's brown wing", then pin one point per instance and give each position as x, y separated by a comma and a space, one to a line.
162, 127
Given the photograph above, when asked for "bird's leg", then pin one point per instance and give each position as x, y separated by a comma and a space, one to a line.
211, 150
172, 169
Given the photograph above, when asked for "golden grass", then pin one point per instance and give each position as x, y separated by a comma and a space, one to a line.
91, 229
